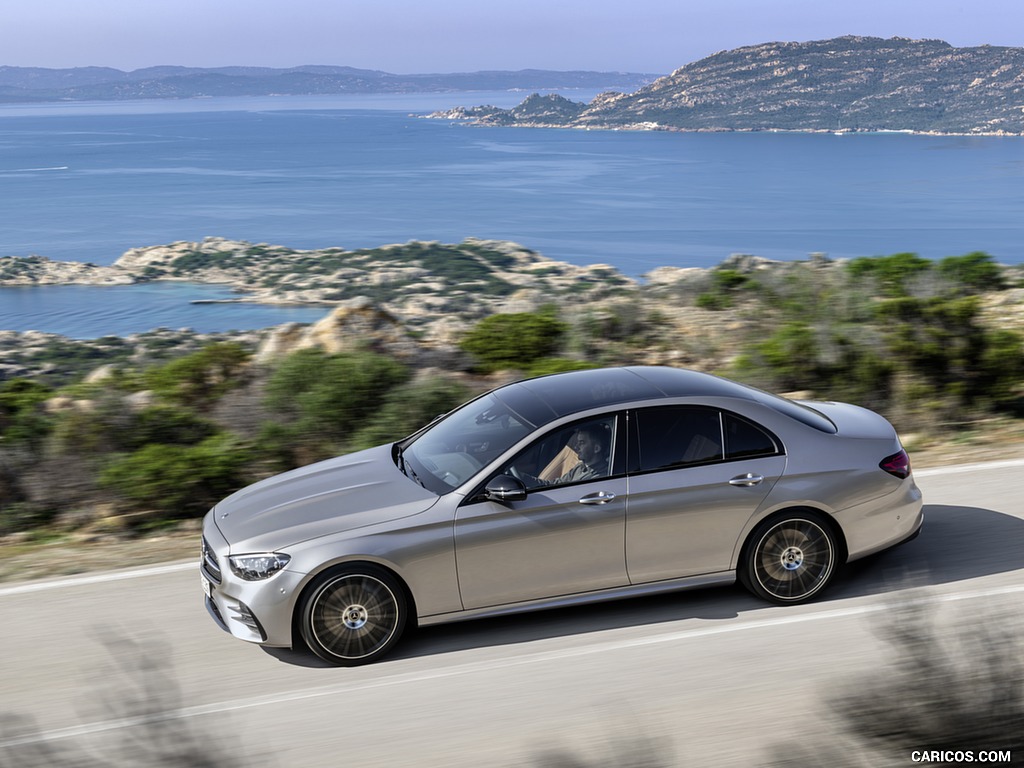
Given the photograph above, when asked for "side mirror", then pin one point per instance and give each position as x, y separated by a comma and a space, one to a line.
505, 488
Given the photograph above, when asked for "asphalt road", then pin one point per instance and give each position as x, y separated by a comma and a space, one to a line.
712, 677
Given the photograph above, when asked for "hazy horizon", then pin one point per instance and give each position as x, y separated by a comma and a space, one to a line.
447, 36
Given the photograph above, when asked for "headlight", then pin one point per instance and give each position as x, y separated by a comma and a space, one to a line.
258, 567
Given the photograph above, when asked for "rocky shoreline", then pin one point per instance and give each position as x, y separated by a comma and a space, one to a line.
418, 299
488, 117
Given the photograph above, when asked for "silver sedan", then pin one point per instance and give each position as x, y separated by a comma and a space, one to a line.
564, 489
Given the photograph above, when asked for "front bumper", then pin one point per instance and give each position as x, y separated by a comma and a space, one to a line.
255, 611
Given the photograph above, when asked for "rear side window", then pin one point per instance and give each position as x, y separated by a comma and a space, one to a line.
744, 440
677, 436
670, 437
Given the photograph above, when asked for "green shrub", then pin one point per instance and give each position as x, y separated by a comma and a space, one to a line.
974, 272
726, 285
407, 408
21, 410
791, 355
715, 302
323, 399
198, 380
892, 274
24, 516
180, 480
514, 341
167, 425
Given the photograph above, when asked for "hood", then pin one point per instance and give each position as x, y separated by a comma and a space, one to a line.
327, 497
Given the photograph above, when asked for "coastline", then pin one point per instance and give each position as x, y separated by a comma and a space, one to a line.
458, 116
413, 280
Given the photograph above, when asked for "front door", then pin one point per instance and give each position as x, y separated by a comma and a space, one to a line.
567, 536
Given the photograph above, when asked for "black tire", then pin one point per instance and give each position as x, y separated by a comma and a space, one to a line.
790, 558
354, 615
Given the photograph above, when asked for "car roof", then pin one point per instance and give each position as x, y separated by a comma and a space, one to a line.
547, 398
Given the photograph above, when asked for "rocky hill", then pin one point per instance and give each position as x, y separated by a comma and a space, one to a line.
843, 84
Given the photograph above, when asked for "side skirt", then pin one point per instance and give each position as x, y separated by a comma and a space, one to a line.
637, 590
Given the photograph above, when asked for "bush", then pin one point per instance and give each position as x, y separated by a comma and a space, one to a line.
21, 413
180, 480
24, 516
893, 274
170, 426
726, 283
514, 341
974, 272
323, 399
407, 408
941, 341
922, 360
199, 379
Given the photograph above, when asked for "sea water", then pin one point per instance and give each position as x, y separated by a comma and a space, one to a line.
86, 182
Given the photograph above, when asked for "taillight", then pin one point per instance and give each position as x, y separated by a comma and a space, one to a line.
897, 465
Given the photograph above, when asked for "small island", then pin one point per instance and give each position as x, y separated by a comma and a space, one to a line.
416, 281
846, 84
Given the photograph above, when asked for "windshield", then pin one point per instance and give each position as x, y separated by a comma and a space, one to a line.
451, 451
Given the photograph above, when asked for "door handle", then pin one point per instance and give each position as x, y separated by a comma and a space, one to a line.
746, 480
601, 497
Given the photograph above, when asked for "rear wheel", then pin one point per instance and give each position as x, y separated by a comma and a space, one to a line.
789, 558
354, 615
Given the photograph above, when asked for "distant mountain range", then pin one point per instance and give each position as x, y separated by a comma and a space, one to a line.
843, 84
29, 84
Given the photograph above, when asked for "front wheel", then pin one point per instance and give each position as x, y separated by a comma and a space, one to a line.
789, 559
354, 615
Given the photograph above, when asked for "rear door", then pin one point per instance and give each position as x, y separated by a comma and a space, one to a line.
697, 474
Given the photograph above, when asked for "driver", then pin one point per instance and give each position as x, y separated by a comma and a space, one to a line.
591, 445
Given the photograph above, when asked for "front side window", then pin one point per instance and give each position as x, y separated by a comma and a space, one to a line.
574, 453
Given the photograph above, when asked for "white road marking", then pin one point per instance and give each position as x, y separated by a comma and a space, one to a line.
960, 469
346, 689
98, 578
